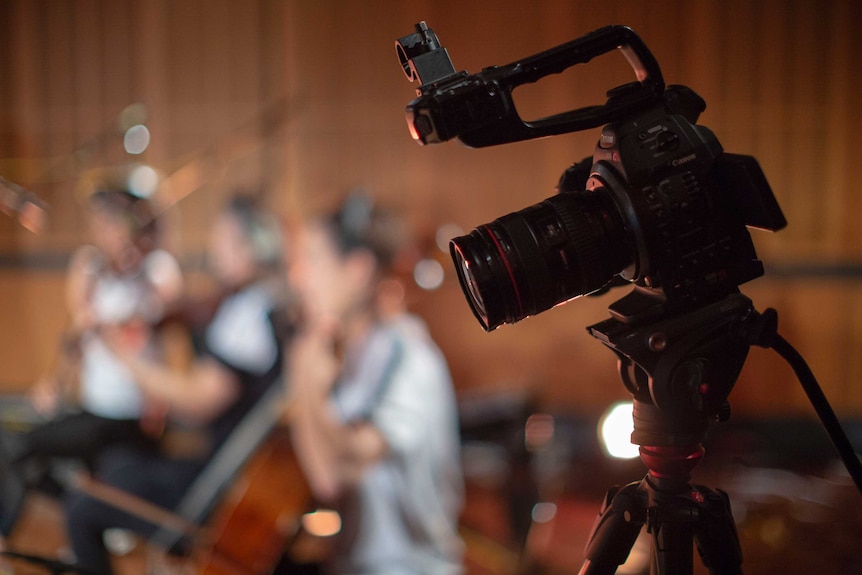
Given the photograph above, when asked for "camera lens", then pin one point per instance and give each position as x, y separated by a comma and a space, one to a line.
469, 283
528, 261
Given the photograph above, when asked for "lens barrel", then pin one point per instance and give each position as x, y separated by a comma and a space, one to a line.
528, 261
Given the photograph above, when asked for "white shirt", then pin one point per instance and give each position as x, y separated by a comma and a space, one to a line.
402, 517
108, 388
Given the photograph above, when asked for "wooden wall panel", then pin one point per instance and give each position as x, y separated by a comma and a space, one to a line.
777, 77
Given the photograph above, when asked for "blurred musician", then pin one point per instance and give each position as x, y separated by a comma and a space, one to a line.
375, 422
238, 358
119, 285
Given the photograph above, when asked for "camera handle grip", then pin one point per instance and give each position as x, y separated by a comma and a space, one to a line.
622, 101
478, 108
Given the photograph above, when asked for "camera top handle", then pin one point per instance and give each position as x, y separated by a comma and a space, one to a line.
478, 109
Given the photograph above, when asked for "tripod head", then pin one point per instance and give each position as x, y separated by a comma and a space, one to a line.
681, 368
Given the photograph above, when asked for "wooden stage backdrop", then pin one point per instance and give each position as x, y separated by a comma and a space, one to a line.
304, 99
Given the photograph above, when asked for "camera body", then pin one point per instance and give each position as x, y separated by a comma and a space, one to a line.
684, 203
659, 204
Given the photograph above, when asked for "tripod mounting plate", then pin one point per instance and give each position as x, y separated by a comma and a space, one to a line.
680, 368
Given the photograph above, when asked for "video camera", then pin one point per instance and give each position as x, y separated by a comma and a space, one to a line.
659, 205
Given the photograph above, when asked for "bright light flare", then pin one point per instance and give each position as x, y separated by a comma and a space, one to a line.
143, 181
615, 431
428, 274
322, 522
136, 139
543, 512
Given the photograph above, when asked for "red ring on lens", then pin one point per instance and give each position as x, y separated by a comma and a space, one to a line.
508, 268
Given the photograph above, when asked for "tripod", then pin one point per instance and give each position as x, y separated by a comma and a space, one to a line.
680, 371
674, 512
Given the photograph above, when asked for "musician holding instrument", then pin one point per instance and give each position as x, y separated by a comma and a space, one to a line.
120, 283
237, 359
374, 421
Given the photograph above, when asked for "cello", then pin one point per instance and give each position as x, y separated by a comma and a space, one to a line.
259, 516
243, 510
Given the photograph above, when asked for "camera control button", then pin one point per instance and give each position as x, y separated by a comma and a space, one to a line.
666, 141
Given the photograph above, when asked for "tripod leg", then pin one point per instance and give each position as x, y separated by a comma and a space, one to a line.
715, 534
616, 528
670, 525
